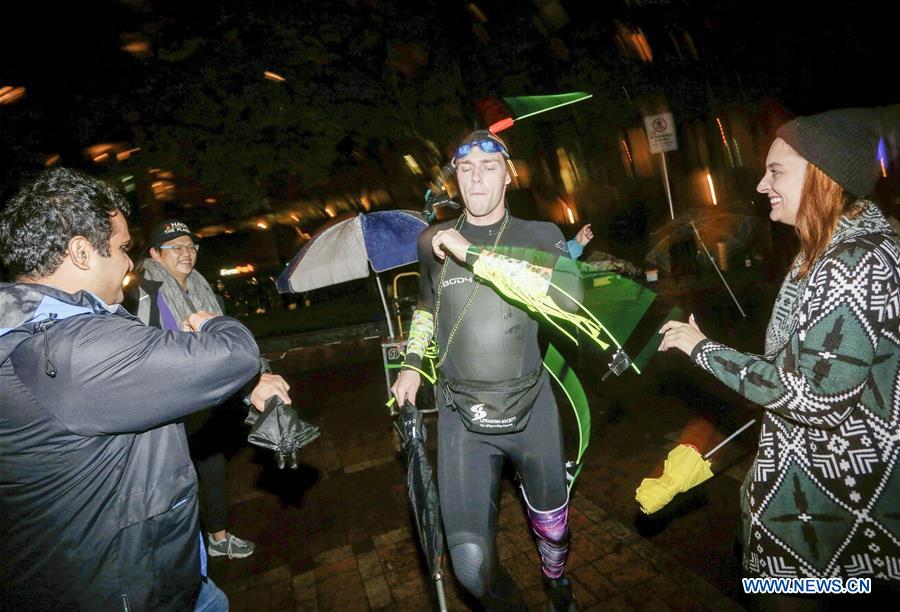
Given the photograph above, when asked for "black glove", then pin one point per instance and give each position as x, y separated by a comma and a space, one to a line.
280, 429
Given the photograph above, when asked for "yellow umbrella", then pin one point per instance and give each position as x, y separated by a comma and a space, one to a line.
684, 468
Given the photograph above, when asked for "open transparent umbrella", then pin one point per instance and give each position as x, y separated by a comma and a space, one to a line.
733, 229
707, 227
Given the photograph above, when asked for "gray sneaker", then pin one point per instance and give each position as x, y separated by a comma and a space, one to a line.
231, 546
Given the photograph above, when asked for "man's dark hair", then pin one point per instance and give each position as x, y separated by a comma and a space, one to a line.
39, 221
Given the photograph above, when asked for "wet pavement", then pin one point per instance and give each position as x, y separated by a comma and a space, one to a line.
337, 533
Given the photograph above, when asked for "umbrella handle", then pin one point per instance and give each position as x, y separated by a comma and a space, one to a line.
620, 362
264, 366
729, 438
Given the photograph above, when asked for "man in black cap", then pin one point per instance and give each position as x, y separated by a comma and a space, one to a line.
171, 287
170, 290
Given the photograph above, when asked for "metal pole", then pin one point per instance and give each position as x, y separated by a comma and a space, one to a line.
387, 312
719, 272
442, 601
729, 438
665, 170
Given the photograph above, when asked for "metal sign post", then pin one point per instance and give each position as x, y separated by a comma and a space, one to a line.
661, 135
666, 183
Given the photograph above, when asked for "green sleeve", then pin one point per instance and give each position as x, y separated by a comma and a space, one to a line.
822, 372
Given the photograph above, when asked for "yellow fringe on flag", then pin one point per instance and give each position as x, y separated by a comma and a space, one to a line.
520, 281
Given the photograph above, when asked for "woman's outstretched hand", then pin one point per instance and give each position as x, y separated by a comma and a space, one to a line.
682, 336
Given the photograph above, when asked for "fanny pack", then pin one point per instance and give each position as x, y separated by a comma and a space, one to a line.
493, 407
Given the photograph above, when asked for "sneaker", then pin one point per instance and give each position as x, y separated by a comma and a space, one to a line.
230, 546
559, 592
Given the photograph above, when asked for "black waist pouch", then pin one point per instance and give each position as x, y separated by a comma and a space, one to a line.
494, 407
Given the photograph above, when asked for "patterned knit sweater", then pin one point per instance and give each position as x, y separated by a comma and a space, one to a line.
823, 496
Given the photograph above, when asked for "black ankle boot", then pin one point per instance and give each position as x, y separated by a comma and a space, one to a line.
559, 591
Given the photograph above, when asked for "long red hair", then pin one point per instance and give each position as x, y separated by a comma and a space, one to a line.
822, 202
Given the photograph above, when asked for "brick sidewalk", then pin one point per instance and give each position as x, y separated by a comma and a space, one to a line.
337, 534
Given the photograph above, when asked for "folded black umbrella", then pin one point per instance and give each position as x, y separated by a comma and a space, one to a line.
423, 493
409, 425
279, 428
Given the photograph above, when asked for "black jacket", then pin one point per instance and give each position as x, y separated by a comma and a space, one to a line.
98, 496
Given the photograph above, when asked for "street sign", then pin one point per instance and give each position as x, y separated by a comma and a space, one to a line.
661, 132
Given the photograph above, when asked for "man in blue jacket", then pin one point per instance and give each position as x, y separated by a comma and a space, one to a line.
98, 496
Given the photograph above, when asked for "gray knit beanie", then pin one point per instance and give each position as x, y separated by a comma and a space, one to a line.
841, 143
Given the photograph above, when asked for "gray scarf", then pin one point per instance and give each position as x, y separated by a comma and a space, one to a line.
199, 294
786, 313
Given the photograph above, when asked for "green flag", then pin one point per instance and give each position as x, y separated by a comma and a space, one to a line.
526, 106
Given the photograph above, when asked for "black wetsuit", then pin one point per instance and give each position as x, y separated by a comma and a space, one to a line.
495, 341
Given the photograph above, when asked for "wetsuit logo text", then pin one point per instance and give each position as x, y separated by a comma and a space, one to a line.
456, 281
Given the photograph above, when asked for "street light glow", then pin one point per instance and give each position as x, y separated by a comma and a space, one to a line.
273, 76
725, 141
242, 269
712, 190
412, 164
9, 94
138, 48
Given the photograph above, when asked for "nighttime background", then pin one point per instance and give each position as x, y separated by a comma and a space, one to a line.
256, 122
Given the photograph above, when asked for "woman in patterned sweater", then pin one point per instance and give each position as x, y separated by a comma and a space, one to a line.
823, 496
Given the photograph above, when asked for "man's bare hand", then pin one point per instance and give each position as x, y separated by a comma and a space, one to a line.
406, 386
450, 241
194, 320
269, 385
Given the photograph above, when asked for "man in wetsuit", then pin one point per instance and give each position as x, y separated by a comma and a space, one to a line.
487, 349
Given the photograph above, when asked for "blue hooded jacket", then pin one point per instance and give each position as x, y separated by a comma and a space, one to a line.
98, 495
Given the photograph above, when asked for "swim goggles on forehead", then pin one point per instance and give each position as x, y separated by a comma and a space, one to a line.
487, 145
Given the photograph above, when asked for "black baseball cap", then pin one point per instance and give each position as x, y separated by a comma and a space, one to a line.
169, 230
